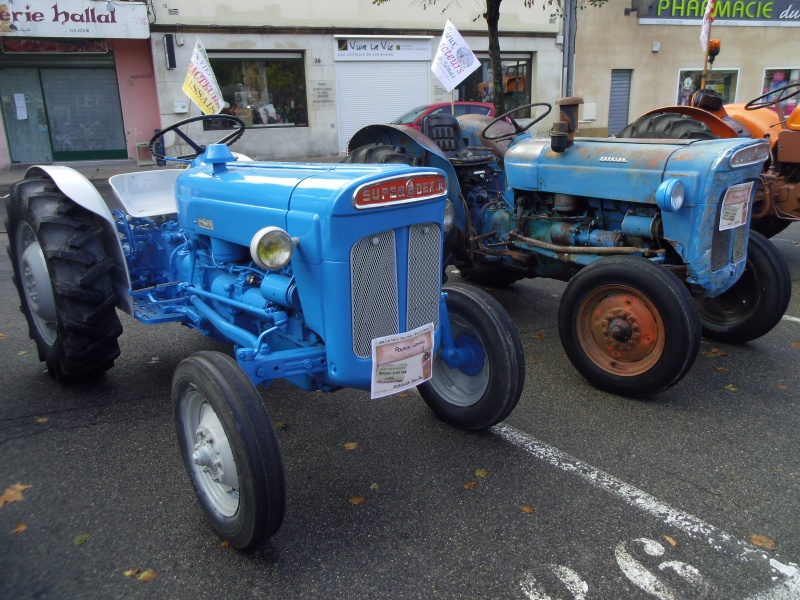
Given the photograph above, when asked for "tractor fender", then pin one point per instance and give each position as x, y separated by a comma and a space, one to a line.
81, 191
717, 126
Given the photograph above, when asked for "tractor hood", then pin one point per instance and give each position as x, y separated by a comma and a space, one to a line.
629, 170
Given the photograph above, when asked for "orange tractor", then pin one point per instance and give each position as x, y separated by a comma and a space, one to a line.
777, 201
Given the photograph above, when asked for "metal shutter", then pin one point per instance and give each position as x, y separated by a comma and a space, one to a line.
378, 92
620, 100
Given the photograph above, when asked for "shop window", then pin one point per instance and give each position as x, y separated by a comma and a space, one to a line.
778, 78
262, 89
517, 75
721, 81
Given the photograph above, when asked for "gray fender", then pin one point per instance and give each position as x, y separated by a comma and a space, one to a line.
80, 190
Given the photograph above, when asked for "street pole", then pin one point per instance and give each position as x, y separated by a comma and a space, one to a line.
568, 49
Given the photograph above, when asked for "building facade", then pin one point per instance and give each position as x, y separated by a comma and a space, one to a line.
630, 62
302, 75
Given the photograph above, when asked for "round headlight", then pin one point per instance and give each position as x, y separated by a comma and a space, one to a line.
272, 248
449, 215
670, 195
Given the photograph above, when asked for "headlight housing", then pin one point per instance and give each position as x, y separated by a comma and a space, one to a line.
272, 248
670, 195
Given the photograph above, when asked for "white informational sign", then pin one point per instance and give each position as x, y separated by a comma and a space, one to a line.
735, 206
22, 108
705, 28
401, 361
383, 49
454, 60
201, 84
74, 19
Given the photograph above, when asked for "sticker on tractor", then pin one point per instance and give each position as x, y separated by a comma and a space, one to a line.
735, 206
401, 361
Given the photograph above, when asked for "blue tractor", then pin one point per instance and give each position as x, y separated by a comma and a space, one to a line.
325, 275
653, 236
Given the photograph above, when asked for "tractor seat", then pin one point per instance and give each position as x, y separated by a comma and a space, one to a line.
444, 130
707, 100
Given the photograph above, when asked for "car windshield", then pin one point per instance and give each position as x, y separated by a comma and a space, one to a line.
410, 116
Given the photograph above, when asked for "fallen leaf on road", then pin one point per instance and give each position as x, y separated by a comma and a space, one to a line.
131, 572
763, 542
13, 493
80, 539
403, 394
670, 540
538, 336
781, 387
482, 473
147, 575
356, 500
22, 353
470, 484
280, 426
154, 360
19, 528
731, 388
350, 446
715, 352
42, 419
373, 487
720, 368
527, 508
796, 344
225, 544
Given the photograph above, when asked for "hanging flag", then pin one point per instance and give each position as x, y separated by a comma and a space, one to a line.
705, 31
454, 60
200, 84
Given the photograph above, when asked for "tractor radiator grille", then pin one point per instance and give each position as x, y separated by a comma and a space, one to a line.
424, 275
728, 246
375, 289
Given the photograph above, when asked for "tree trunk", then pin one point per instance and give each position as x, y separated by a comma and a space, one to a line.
492, 16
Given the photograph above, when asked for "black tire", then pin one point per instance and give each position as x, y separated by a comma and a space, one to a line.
756, 302
671, 126
491, 275
242, 491
381, 154
63, 276
481, 394
629, 326
769, 225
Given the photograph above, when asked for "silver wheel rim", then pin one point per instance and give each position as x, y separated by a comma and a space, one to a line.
213, 466
455, 386
35, 283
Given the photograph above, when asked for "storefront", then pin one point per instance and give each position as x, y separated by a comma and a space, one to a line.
75, 84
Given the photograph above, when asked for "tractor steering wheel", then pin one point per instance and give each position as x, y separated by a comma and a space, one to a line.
780, 94
518, 129
229, 139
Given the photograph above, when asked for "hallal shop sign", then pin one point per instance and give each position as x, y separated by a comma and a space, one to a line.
74, 19
381, 48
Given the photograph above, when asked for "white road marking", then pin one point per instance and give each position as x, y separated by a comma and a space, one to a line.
689, 524
792, 319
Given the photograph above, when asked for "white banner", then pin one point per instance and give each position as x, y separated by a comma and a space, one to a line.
201, 84
454, 60
74, 19
705, 30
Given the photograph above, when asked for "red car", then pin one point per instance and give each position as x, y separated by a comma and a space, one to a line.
413, 118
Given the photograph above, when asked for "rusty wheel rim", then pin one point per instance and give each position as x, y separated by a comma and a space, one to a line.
620, 330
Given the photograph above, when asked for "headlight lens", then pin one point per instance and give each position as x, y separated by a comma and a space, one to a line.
449, 215
272, 248
671, 195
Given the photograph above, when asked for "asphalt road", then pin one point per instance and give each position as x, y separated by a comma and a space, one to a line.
579, 494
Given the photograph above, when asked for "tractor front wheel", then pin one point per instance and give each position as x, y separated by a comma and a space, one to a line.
486, 388
756, 302
230, 448
629, 326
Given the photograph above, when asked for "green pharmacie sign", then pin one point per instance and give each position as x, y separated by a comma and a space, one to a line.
782, 13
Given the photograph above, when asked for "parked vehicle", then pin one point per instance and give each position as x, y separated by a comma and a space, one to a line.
514, 82
307, 270
652, 235
777, 202
414, 117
